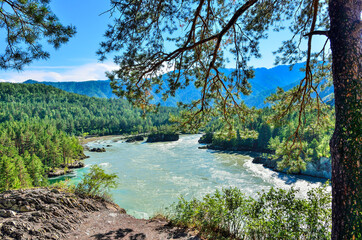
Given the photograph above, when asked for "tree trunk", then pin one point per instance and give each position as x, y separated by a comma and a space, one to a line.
345, 37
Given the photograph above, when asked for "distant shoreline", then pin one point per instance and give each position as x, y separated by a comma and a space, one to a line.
84, 140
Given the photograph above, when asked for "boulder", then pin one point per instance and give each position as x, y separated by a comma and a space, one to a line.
98, 149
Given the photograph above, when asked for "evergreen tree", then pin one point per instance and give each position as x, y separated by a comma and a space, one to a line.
23, 176
36, 171
264, 135
26, 23
8, 176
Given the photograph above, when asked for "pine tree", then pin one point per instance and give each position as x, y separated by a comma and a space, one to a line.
8, 175
23, 176
26, 24
36, 171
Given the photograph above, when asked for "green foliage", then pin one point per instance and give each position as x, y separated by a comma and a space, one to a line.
276, 214
26, 24
30, 149
64, 186
261, 133
75, 114
36, 170
97, 183
8, 178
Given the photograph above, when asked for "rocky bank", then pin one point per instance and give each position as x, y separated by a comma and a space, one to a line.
51, 213
321, 168
65, 169
162, 137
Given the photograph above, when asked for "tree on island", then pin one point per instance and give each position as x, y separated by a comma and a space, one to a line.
26, 23
198, 35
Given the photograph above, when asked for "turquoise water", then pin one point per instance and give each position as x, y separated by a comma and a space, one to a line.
153, 175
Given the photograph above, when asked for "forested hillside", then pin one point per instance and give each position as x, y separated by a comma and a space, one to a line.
75, 114
39, 124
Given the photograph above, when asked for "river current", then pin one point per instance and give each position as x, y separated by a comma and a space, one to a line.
154, 175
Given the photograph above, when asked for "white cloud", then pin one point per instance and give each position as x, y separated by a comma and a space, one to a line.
91, 71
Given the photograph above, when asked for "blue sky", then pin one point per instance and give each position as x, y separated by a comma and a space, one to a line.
77, 61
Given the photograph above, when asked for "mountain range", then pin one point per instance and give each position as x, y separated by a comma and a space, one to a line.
263, 84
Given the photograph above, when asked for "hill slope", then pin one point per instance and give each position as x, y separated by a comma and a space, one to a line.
74, 113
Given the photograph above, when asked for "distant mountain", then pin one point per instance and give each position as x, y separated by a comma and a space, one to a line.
97, 88
263, 84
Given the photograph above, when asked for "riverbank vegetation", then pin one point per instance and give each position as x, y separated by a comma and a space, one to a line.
276, 214
262, 133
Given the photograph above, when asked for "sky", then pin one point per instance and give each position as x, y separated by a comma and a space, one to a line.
77, 60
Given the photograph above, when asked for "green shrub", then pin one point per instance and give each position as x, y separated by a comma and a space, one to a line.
277, 214
63, 186
97, 183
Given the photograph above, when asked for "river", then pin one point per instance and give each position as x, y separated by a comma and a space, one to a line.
153, 175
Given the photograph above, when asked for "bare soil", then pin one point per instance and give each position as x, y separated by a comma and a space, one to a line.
106, 225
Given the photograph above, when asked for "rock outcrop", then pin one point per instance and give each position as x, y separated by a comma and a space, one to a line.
51, 213
321, 168
75, 164
162, 137
136, 138
58, 172
44, 213
65, 169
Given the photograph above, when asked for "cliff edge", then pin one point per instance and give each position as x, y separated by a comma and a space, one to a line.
51, 213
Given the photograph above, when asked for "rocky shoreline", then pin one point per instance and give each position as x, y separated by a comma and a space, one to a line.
65, 169
320, 169
53, 213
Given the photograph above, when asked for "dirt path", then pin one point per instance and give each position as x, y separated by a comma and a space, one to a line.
107, 225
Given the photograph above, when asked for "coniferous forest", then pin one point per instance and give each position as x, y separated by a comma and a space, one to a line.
39, 126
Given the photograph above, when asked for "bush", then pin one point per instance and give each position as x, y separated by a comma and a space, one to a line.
277, 214
64, 186
97, 183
